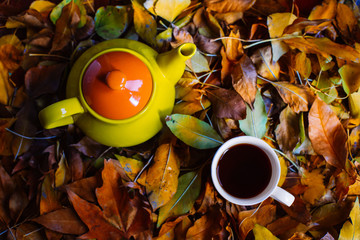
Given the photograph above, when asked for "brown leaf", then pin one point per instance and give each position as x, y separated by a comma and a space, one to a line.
63, 220
31, 18
128, 213
244, 78
7, 187
264, 215
298, 97
228, 5
233, 47
325, 11
87, 30
327, 135
89, 147
287, 132
282, 225
162, 176
10, 56
50, 198
298, 211
324, 47
66, 26
207, 227
209, 199
93, 217
5, 136
346, 21
167, 230
205, 44
43, 38
43, 79
301, 24
227, 104
85, 188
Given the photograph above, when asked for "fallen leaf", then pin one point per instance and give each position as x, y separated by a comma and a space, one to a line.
354, 105
229, 5
63, 220
30, 18
325, 11
111, 21
5, 136
261, 232
351, 230
350, 75
57, 11
126, 213
331, 214
89, 147
354, 141
277, 22
287, 132
66, 26
131, 166
327, 135
42, 6
187, 192
298, 97
193, 132
206, 227
144, 23
346, 21
314, 181
167, 230
169, 10
264, 64
255, 123
28, 230
302, 65
162, 176
50, 197
198, 63
62, 174
227, 103
6, 89
244, 78
85, 188
10, 57
324, 47
327, 90
264, 215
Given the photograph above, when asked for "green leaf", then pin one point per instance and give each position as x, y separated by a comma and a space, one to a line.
56, 12
111, 21
163, 37
145, 25
351, 230
198, 63
261, 233
187, 192
350, 75
328, 92
255, 122
193, 132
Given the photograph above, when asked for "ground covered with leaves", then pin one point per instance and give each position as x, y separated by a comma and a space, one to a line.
287, 72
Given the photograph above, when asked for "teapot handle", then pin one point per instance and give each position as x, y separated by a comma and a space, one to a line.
60, 113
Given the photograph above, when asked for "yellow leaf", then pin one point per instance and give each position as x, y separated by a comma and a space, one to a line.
284, 170
170, 9
355, 188
325, 11
314, 180
277, 22
162, 176
350, 75
13, 40
144, 23
131, 166
6, 89
354, 102
42, 6
198, 63
351, 230
61, 174
261, 233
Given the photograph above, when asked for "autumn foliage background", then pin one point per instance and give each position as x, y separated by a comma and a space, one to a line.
287, 72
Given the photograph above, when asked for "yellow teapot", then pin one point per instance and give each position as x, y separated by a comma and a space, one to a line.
119, 92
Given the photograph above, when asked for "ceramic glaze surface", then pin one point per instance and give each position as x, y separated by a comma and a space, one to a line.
117, 85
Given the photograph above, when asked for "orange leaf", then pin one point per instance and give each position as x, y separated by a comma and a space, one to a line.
324, 47
244, 79
127, 213
229, 5
325, 11
327, 135
93, 217
50, 198
63, 220
162, 176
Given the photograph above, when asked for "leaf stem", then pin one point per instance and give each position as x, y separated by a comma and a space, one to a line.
30, 138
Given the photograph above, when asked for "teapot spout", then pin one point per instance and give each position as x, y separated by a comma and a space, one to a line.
172, 63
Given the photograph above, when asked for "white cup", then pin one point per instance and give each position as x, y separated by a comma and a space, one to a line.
271, 190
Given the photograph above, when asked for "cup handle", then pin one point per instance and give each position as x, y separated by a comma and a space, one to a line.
283, 196
60, 113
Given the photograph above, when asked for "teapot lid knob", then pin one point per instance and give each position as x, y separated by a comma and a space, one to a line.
116, 80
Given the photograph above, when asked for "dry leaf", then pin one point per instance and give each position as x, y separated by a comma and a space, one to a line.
162, 176
325, 11
327, 135
229, 5
244, 78
314, 180
298, 97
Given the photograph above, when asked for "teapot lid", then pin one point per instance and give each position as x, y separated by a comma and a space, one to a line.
117, 85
